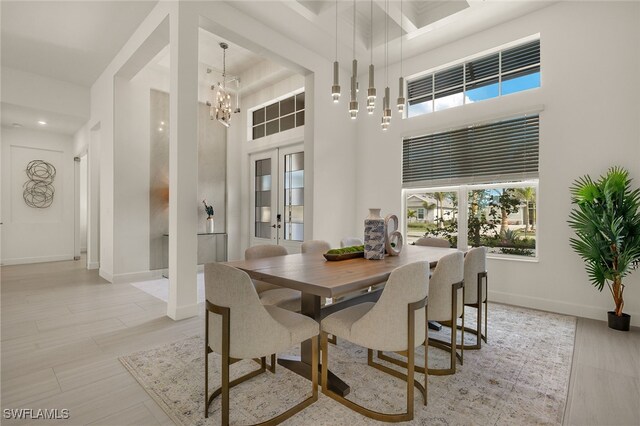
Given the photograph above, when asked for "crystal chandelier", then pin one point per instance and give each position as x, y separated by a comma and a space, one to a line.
222, 106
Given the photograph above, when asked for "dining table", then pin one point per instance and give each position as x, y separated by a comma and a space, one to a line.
317, 278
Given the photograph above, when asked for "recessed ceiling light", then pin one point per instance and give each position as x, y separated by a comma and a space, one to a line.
16, 124
160, 129
42, 123
162, 123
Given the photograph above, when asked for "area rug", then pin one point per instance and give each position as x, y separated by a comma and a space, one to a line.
520, 376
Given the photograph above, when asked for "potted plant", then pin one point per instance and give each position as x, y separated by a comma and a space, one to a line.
606, 220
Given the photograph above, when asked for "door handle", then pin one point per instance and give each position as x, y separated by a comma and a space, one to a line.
278, 226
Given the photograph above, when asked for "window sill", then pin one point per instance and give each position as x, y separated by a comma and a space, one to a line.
494, 256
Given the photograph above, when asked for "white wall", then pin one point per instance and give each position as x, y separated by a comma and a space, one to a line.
29, 234
590, 121
36, 91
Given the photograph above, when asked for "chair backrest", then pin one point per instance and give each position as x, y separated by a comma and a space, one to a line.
351, 241
385, 325
251, 326
315, 246
475, 262
267, 250
450, 270
433, 242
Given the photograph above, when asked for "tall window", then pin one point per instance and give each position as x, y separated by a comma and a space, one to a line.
278, 116
477, 185
500, 73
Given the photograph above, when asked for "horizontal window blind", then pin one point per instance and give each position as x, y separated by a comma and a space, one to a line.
499, 151
508, 64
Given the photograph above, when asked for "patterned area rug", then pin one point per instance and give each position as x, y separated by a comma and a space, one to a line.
520, 377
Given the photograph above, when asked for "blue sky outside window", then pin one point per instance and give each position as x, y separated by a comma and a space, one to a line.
518, 84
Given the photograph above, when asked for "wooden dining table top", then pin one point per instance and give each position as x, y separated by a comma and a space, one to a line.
311, 273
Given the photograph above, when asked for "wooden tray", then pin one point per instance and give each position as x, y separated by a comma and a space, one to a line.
344, 256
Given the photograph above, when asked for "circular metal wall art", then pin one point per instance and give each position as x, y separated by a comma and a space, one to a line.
39, 190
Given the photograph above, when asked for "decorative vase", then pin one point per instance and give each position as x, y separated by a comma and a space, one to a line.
210, 225
393, 240
374, 235
618, 323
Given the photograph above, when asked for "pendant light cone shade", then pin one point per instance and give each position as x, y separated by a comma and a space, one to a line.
335, 89
386, 116
353, 105
401, 98
371, 92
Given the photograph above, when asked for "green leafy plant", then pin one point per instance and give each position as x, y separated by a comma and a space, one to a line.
208, 208
344, 250
606, 220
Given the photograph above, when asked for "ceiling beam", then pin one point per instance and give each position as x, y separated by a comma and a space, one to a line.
405, 19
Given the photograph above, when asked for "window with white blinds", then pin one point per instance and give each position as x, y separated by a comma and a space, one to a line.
499, 73
500, 151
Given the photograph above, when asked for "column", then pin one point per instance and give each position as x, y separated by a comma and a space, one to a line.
183, 162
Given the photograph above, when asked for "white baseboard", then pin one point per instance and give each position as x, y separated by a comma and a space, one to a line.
585, 311
93, 265
106, 275
41, 259
132, 277
183, 312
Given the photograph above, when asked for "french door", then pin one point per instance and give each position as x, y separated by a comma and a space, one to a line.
277, 201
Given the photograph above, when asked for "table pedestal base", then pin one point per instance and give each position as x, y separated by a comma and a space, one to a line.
303, 369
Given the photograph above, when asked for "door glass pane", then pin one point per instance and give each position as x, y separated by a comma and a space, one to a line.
294, 197
263, 199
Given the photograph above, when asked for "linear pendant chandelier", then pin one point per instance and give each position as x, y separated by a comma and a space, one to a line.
371, 90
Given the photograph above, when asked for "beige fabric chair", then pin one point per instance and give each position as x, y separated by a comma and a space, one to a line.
397, 322
475, 291
350, 242
433, 242
238, 326
271, 294
446, 297
315, 246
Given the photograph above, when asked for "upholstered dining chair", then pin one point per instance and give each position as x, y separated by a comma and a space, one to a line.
351, 241
315, 246
475, 291
433, 242
397, 322
238, 326
446, 295
271, 294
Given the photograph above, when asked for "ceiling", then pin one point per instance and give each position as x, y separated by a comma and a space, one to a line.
426, 24
72, 41
28, 118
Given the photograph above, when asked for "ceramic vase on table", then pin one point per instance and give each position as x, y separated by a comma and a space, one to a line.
210, 225
374, 235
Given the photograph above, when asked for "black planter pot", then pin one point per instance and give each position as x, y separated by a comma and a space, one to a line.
619, 323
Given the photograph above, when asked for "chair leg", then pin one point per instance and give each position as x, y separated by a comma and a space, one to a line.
409, 377
206, 364
274, 361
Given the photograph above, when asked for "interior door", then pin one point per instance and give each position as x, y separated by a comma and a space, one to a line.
277, 185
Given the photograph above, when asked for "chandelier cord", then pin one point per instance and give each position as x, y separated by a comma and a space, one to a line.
336, 30
386, 41
354, 29
401, 36
371, 32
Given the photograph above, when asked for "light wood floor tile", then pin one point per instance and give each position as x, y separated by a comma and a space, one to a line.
138, 415
19, 390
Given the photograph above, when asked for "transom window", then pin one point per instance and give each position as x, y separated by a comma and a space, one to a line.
497, 74
278, 116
